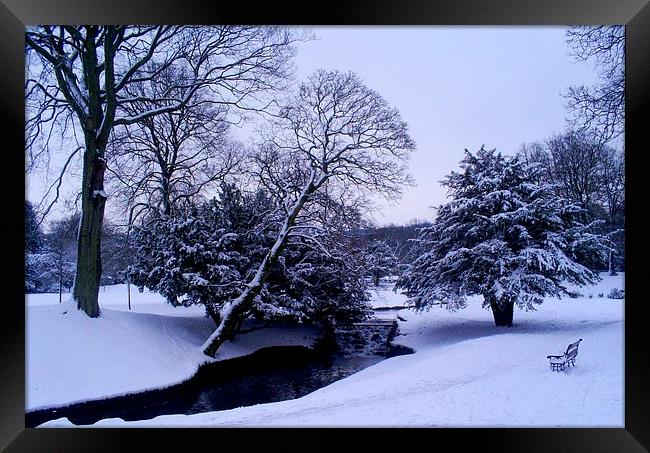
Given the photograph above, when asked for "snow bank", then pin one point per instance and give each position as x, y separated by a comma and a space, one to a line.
72, 358
465, 373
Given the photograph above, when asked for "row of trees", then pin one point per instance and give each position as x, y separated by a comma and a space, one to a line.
273, 229
207, 253
330, 144
87, 84
518, 228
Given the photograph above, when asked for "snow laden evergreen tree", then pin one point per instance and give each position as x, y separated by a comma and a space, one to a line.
203, 254
319, 285
310, 287
380, 260
206, 254
504, 235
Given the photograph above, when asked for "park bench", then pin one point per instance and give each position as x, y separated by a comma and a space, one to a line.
559, 362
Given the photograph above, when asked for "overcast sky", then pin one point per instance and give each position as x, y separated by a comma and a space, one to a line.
456, 87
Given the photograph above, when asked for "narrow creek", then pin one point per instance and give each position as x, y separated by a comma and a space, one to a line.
268, 375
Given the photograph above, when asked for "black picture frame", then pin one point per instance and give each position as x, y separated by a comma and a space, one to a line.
635, 14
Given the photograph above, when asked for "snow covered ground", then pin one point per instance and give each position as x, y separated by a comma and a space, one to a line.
465, 373
72, 358
382, 296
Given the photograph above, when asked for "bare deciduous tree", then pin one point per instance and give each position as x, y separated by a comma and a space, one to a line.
335, 132
601, 108
574, 163
61, 242
584, 171
83, 78
164, 160
612, 193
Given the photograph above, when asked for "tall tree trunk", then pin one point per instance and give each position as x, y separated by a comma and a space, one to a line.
166, 195
232, 312
96, 127
502, 311
610, 264
93, 201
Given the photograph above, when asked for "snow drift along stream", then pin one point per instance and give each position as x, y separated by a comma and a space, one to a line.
465, 372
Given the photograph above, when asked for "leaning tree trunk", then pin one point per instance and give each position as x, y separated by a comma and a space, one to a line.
93, 201
502, 310
233, 312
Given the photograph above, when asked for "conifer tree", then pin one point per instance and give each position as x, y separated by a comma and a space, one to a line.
505, 235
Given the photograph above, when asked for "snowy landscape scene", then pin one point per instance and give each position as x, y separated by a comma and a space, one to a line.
464, 373
255, 226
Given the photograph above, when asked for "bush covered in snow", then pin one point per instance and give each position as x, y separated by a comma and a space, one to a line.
616, 293
47, 273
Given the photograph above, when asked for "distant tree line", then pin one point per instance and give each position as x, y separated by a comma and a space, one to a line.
398, 237
50, 256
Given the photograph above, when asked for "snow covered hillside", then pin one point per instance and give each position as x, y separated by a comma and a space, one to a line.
465, 373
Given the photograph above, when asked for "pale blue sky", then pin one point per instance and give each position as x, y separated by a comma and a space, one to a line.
457, 88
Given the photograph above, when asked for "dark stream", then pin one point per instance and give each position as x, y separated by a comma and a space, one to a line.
268, 375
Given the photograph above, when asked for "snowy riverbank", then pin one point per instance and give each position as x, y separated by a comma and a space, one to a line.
72, 358
465, 372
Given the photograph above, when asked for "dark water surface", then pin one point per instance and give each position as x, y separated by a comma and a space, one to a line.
268, 375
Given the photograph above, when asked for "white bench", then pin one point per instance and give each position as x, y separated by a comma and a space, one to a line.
560, 362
